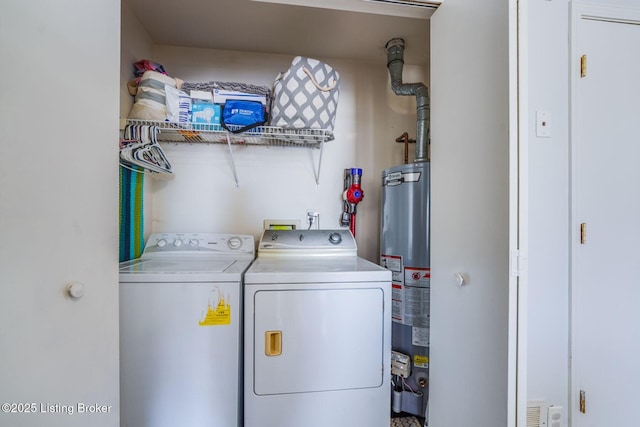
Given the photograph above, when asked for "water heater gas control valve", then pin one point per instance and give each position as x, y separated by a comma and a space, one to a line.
400, 364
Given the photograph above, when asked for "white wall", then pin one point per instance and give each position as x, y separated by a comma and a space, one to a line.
277, 182
470, 214
135, 44
548, 199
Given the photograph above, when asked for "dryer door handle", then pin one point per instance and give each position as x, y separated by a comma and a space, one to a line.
273, 343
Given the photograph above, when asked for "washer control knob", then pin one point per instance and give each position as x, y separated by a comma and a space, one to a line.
161, 243
177, 243
234, 242
194, 242
335, 238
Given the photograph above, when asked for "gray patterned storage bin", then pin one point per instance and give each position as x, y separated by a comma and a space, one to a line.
306, 96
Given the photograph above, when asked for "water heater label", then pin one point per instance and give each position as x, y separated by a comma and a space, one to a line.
415, 276
416, 298
420, 336
397, 178
394, 263
397, 308
420, 361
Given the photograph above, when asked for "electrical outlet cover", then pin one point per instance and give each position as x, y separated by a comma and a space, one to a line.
554, 416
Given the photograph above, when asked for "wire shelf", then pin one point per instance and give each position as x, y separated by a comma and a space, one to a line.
215, 134
267, 136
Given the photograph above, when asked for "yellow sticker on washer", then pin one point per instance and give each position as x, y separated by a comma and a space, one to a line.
220, 315
420, 361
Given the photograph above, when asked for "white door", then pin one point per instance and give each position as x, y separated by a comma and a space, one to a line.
606, 199
58, 212
473, 157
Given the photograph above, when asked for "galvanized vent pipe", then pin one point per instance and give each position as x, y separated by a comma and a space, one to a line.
395, 63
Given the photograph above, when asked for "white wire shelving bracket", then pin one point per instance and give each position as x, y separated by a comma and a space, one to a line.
270, 136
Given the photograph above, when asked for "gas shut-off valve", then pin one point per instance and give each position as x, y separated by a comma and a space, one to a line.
352, 195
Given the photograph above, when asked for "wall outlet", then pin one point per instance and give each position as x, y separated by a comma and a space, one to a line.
554, 416
313, 217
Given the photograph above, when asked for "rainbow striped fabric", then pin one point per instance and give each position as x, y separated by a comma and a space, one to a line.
131, 214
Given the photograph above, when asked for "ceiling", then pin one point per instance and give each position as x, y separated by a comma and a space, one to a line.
246, 25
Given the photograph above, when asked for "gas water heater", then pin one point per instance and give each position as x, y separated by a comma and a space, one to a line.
404, 249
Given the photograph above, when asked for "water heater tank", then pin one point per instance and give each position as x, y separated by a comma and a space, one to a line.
404, 249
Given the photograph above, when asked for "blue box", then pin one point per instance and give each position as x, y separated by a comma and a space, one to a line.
205, 112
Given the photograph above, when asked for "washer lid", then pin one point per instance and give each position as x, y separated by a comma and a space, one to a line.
176, 265
182, 270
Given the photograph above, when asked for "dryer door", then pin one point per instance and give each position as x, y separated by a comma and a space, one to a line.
309, 340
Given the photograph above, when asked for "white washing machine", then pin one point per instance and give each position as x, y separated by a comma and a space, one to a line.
180, 331
317, 333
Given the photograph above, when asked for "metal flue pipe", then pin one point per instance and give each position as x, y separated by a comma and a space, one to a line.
395, 64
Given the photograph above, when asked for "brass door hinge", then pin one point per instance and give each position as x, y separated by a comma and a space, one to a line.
583, 402
583, 233
583, 66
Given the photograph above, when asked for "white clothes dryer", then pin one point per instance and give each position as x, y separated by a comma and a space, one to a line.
317, 333
180, 331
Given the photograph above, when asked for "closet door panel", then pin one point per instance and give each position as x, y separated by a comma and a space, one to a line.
58, 212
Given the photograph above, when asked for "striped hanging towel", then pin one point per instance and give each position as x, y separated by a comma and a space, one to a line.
131, 214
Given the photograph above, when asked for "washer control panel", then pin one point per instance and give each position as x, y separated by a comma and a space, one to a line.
199, 243
307, 242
